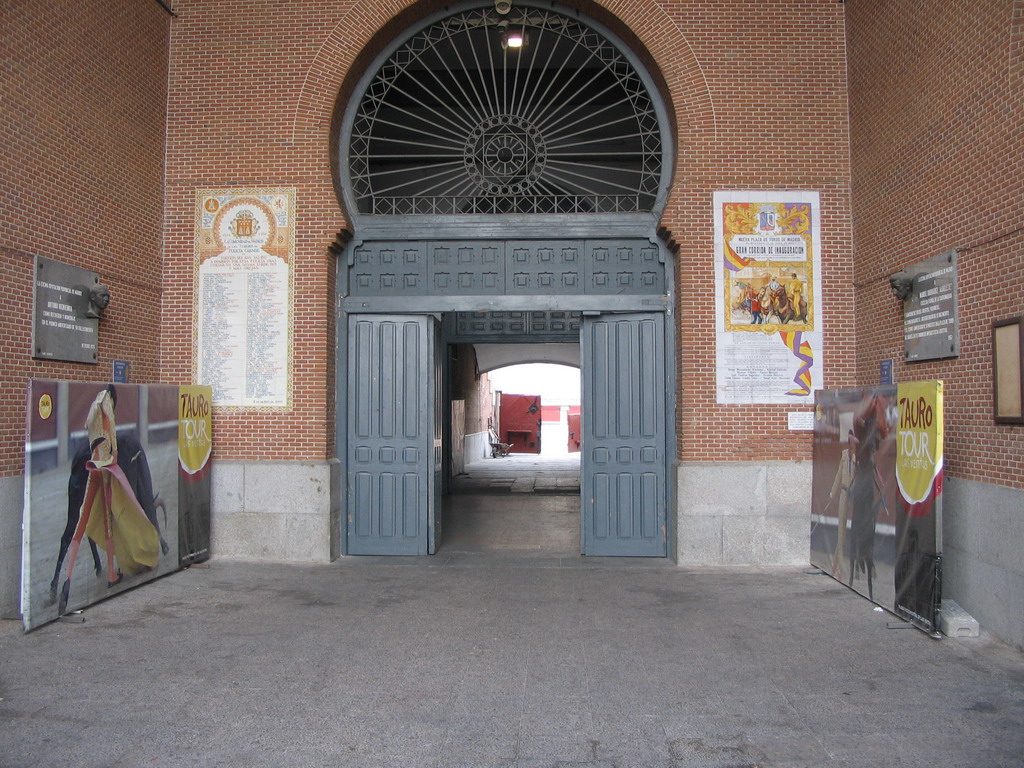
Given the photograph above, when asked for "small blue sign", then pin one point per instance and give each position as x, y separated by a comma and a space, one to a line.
121, 371
885, 372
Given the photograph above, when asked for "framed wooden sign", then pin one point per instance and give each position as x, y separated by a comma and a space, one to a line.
1007, 378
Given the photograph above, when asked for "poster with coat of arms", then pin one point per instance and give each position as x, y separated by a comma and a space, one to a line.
768, 284
243, 296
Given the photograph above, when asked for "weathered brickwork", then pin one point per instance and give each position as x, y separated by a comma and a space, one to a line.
937, 141
81, 180
253, 96
777, 120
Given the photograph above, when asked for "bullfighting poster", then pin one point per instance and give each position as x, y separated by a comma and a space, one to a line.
243, 296
919, 474
195, 448
767, 296
102, 508
877, 476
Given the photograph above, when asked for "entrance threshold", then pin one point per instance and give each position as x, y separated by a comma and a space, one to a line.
519, 506
521, 473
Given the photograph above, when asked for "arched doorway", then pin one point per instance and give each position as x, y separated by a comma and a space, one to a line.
510, 193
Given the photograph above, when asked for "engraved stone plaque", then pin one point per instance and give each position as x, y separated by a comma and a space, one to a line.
60, 328
931, 326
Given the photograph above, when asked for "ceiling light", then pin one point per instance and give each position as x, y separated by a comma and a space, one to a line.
514, 37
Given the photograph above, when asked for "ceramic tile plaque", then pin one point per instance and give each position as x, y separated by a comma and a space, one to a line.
243, 297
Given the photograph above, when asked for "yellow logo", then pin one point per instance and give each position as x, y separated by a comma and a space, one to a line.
195, 427
918, 438
45, 407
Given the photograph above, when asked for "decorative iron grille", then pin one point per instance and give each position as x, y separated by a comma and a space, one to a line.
458, 122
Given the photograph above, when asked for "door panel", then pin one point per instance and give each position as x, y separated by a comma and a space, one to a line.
575, 432
392, 488
520, 423
624, 435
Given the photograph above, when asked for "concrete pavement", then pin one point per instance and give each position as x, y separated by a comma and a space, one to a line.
480, 659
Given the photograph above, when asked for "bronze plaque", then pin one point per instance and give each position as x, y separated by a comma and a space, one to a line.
931, 326
61, 329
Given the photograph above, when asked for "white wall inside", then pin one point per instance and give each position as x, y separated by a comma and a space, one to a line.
557, 385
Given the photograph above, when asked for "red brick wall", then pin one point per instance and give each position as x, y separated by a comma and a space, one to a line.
238, 71
760, 104
938, 141
758, 93
81, 180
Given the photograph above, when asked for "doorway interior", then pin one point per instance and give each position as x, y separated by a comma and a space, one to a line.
523, 501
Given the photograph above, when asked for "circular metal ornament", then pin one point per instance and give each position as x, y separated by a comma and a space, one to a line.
505, 155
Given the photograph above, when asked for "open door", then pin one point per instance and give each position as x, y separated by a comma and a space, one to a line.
520, 422
394, 443
575, 420
624, 435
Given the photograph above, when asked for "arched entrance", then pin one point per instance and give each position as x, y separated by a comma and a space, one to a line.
507, 194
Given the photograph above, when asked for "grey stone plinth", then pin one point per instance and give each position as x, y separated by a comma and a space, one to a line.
285, 511
744, 513
12, 494
982, 570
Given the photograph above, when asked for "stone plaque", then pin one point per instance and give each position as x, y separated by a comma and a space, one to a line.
931, 326
60, 328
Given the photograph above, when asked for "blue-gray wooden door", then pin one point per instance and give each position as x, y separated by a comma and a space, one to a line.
393, 443
624, 435
436, 490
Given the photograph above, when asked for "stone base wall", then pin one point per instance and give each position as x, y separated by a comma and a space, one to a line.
12, 503
744, 513
284, 511
982, 569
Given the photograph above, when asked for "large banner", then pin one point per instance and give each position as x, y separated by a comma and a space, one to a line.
767, 296
103, 511
919, 473
876, 509
195, 447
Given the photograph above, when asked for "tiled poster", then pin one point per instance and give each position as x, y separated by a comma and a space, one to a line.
243, 298
767, 297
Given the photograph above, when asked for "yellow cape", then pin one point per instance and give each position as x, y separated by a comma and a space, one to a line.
136, 541
135, 538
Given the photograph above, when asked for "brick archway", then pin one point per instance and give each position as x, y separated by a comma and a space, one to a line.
667, 54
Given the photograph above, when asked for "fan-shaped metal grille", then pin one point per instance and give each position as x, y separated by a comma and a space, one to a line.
458, 122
